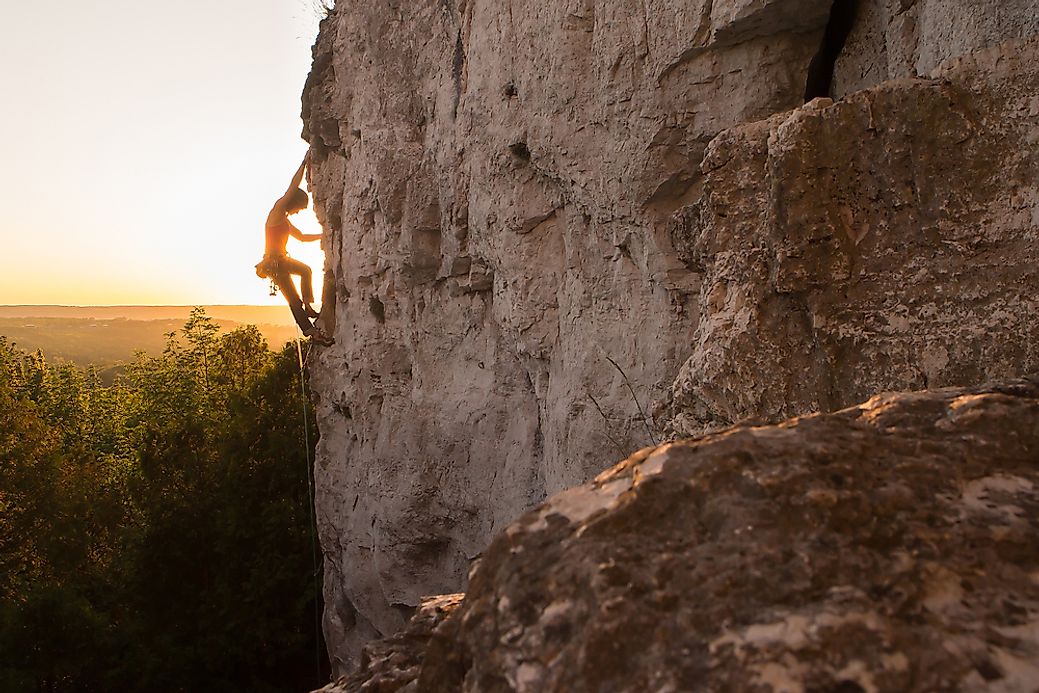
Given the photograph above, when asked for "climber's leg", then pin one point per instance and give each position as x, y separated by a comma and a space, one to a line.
306, 277
299, 312
288, 289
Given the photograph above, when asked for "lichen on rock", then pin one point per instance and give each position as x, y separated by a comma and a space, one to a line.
891, 546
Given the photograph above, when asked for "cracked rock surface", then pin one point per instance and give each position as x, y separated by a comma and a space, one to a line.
394, 664
889, 240
910, 38
507, 303
891, 546
558, 232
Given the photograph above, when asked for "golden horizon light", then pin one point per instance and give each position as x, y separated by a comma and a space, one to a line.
143, 147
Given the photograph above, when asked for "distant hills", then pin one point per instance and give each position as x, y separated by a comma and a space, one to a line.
255, 315
107, 336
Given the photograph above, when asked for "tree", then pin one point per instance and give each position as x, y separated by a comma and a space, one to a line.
156, 534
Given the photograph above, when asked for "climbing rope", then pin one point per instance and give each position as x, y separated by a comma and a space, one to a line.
310, 500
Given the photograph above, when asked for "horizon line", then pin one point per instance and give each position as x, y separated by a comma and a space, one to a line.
138, 305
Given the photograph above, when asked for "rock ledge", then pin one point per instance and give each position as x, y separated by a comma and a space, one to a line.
891, 546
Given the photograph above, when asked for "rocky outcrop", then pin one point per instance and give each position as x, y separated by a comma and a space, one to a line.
503, 289
892, 546
527, 246
909, 38
394, 664
890, 239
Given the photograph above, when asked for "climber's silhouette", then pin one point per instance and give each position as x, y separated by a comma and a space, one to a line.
279, 267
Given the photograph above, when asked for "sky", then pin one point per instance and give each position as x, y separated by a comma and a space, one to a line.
142, 145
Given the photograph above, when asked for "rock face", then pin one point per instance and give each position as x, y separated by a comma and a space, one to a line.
889, 238
526, 211
909, 38
497, 178
395, 663
892, 546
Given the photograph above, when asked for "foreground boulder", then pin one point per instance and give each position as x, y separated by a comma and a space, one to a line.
394, 664
891, 546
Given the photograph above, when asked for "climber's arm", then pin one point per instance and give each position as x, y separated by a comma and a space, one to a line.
297, 178
305, 237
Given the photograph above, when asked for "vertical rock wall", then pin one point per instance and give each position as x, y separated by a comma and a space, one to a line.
909, 38
886, 241
523, 246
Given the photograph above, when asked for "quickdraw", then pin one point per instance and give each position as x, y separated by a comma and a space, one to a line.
268, 268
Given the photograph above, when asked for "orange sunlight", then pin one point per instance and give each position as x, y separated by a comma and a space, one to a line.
256, 289
140, 165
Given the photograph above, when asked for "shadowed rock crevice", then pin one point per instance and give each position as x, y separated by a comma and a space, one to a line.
838, 28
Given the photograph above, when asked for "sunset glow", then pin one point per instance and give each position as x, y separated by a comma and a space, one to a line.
145, 148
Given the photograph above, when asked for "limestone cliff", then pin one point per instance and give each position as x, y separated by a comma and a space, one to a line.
889, 240
543, 254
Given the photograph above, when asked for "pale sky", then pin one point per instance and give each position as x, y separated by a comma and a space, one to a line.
142, 144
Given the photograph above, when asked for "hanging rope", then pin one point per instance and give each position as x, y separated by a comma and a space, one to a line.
310, 501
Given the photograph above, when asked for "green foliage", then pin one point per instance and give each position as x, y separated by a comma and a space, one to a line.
107, 343
155, 534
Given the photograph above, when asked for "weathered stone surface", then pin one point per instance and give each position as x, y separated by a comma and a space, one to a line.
892, 546
524, 249
910, 38
497, 177
394, 664
886, 241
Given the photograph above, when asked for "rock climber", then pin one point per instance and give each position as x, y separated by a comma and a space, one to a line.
279, 267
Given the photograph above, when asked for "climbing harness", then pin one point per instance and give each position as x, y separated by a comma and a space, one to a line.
268, 268
310, 497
